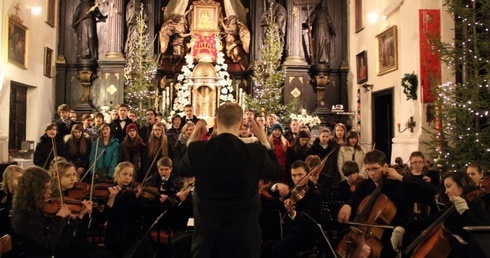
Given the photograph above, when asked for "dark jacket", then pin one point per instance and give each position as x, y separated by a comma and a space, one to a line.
170, 186
64, 128
118, 131
36, 235
330, 174
78, 159
131, 150
226, 196
43, 155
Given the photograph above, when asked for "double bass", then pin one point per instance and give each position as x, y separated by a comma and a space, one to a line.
375, 213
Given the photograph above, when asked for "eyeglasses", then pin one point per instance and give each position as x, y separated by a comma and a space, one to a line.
372, 169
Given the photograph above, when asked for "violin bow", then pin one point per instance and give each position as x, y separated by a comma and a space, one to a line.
92, 181
151, 165
316, 169
93, 164
55, 153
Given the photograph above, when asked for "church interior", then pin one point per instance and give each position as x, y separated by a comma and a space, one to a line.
369, 47
369, 67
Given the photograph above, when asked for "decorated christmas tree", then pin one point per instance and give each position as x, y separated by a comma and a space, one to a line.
141, 68
268, 77
462, 107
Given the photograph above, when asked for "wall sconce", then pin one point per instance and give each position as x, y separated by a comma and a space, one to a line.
367, 87
410, 124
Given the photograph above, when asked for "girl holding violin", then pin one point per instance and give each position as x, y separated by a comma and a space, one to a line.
124, 211
385, 192
303, 204
9, 184
38, 234
469, 211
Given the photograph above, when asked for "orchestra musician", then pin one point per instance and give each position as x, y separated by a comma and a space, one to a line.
299, 228
125, 214
226, 196
38, 234
167, 184
418, 168
350, 169
469, 212
9, 184
67, 175
403, 191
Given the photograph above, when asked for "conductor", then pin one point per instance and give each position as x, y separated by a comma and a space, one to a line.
226, 196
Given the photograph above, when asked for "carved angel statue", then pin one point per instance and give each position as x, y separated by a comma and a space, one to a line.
174, 31
237, 37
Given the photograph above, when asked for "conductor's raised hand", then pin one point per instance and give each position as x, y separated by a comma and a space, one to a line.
197, 133
259, 133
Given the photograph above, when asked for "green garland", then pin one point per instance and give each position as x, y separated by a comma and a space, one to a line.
410, 83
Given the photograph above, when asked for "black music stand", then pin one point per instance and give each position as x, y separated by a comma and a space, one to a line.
322, 233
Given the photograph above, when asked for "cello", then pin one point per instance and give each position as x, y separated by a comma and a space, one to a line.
435, 241
375, 213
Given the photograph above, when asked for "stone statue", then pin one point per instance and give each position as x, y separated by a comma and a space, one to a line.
86, 15
323, 33
280, 17
237, 38
134, 8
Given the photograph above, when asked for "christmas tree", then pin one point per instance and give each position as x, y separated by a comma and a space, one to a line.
141, 67
462, 107
268, 77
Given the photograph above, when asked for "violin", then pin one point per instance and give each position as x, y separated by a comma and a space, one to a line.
484, 185
150, 192
53, 205
79, 191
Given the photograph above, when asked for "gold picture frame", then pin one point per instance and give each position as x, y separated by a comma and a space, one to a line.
48, 62
51, 12
17, 39
361, 67
205, 18
387, 51
359, 15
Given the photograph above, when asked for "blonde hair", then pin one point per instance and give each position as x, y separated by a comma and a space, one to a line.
154, 144
7, 175
63, 167
122, 166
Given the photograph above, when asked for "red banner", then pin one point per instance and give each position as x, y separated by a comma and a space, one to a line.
430, 61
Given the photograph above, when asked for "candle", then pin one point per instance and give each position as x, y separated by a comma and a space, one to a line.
164, 106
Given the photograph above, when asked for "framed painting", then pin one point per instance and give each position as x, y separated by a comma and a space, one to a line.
48, 62
387, 51
17, 37
51, 12
361, 64
205, 18
359, 15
